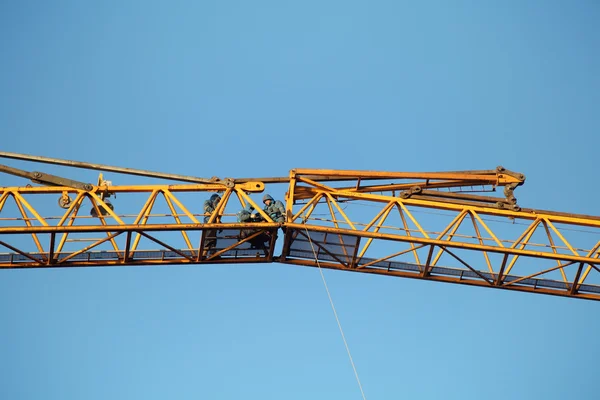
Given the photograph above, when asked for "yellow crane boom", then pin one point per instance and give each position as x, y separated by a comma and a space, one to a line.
435, 226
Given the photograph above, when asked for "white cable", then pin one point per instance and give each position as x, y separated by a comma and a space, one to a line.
336, 316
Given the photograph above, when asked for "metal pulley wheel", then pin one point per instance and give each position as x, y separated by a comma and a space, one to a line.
64, 201
229, 183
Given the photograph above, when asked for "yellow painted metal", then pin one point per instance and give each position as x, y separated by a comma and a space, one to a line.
451, 244
131, 228
381, 216
559, 266
311, 209
74, 204
336, 224
522, 242
480, 239
342, 213
240, 198
560, 236
314, 184
307, 189
147, 206
21, 200
102, 220
232, 246
312, 202
453, 227
165, 245
110, 237
216, 215
178, 221
144, 214
499, 179
405, 225
553, 247
256, 207
373, 262
440, 205
414, 221
595, 249
72, 212
253, 186
101, 202
474, 213
384, 210
289, 203
585, 274
469, 282
170, 196
22, 253
35, 238
3, 198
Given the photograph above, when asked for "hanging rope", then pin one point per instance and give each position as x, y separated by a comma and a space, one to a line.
336, 315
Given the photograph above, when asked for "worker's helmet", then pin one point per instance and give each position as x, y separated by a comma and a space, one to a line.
256, 217
215, 198
267, 197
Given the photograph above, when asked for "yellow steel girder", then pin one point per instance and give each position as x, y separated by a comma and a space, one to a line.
415, 249
353, 220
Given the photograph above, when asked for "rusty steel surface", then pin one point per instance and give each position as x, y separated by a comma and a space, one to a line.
44, 178
102, 167
422, 225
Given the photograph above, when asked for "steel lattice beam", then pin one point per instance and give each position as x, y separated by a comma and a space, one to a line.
426, 226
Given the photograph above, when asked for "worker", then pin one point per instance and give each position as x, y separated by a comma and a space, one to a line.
245, 215
259, 241
210, 206
210, 241
274, 209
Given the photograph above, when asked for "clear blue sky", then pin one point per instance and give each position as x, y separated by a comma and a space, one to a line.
255, 88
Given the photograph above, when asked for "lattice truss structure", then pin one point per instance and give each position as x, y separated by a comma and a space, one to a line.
433, 226
446, 235
149, 224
